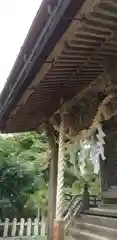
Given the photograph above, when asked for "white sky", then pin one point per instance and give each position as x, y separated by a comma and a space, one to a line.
16, 17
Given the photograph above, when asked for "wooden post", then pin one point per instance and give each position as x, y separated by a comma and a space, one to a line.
86, 197
21, 230
48, 128
59, 230
29, 224
6, 225
36, 227
43, 227
13, 232
52, 180
103, 176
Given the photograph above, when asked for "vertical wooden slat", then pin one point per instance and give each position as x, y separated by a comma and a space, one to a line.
38, 213
14, 224
6, 225
36, 223
43, 227
21, 230
28, 231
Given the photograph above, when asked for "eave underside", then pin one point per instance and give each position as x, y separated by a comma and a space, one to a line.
77, 60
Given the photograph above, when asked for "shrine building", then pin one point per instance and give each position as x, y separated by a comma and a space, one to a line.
64, 82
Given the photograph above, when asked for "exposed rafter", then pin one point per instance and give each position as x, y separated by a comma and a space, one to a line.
74, 66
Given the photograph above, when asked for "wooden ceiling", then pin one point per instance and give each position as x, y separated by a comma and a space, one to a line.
75, 61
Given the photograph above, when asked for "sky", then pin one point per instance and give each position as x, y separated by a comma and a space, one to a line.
16, 17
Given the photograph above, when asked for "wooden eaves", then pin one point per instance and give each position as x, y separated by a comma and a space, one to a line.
73, 47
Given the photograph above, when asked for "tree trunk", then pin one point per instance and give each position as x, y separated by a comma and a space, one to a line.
52, 180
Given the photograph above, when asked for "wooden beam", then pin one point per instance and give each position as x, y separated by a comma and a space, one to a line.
101, 84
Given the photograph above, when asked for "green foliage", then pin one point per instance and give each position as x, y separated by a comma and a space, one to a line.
24, 173
23, 164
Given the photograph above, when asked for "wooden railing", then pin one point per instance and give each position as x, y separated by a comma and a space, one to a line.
76, 206
22, 228
29, 227
73, 208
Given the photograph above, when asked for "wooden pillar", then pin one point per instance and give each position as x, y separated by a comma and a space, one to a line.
111, 157
85, 197
103, 175
52, 180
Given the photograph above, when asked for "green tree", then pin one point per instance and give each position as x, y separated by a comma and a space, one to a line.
23, 168
24, 173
